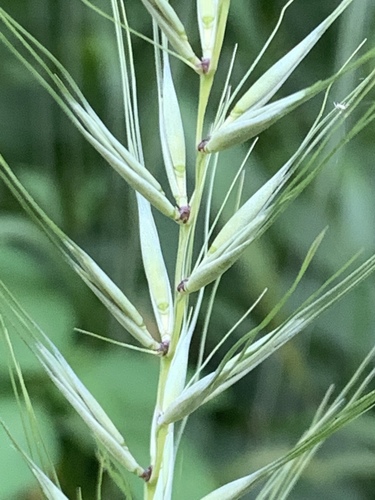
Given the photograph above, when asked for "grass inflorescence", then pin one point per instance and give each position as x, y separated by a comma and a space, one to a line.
206, 246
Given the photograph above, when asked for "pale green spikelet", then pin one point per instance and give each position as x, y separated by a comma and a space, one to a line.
111, 296
169, 23
155, 270
125, 164
88, 408
172, 135
212, 20
270, 82
251, 115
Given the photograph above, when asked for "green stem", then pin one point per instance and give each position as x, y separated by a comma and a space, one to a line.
206, 81
200, 175
181, 300
182, 271
158, 434
161, 436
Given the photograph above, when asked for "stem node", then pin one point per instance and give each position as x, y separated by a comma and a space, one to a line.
184, 212
181, 287
147, 474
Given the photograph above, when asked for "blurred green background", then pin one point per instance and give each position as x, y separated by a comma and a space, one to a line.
265, 413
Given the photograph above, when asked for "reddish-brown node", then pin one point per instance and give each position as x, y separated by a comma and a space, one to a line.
205, 65
202, 145
184, 212
147, 474
163, 348
181, 287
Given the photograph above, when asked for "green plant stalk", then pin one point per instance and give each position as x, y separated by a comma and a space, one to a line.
160, 433
186, 243
205, 84
183, 268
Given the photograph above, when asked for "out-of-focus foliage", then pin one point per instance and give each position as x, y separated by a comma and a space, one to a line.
267, 411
